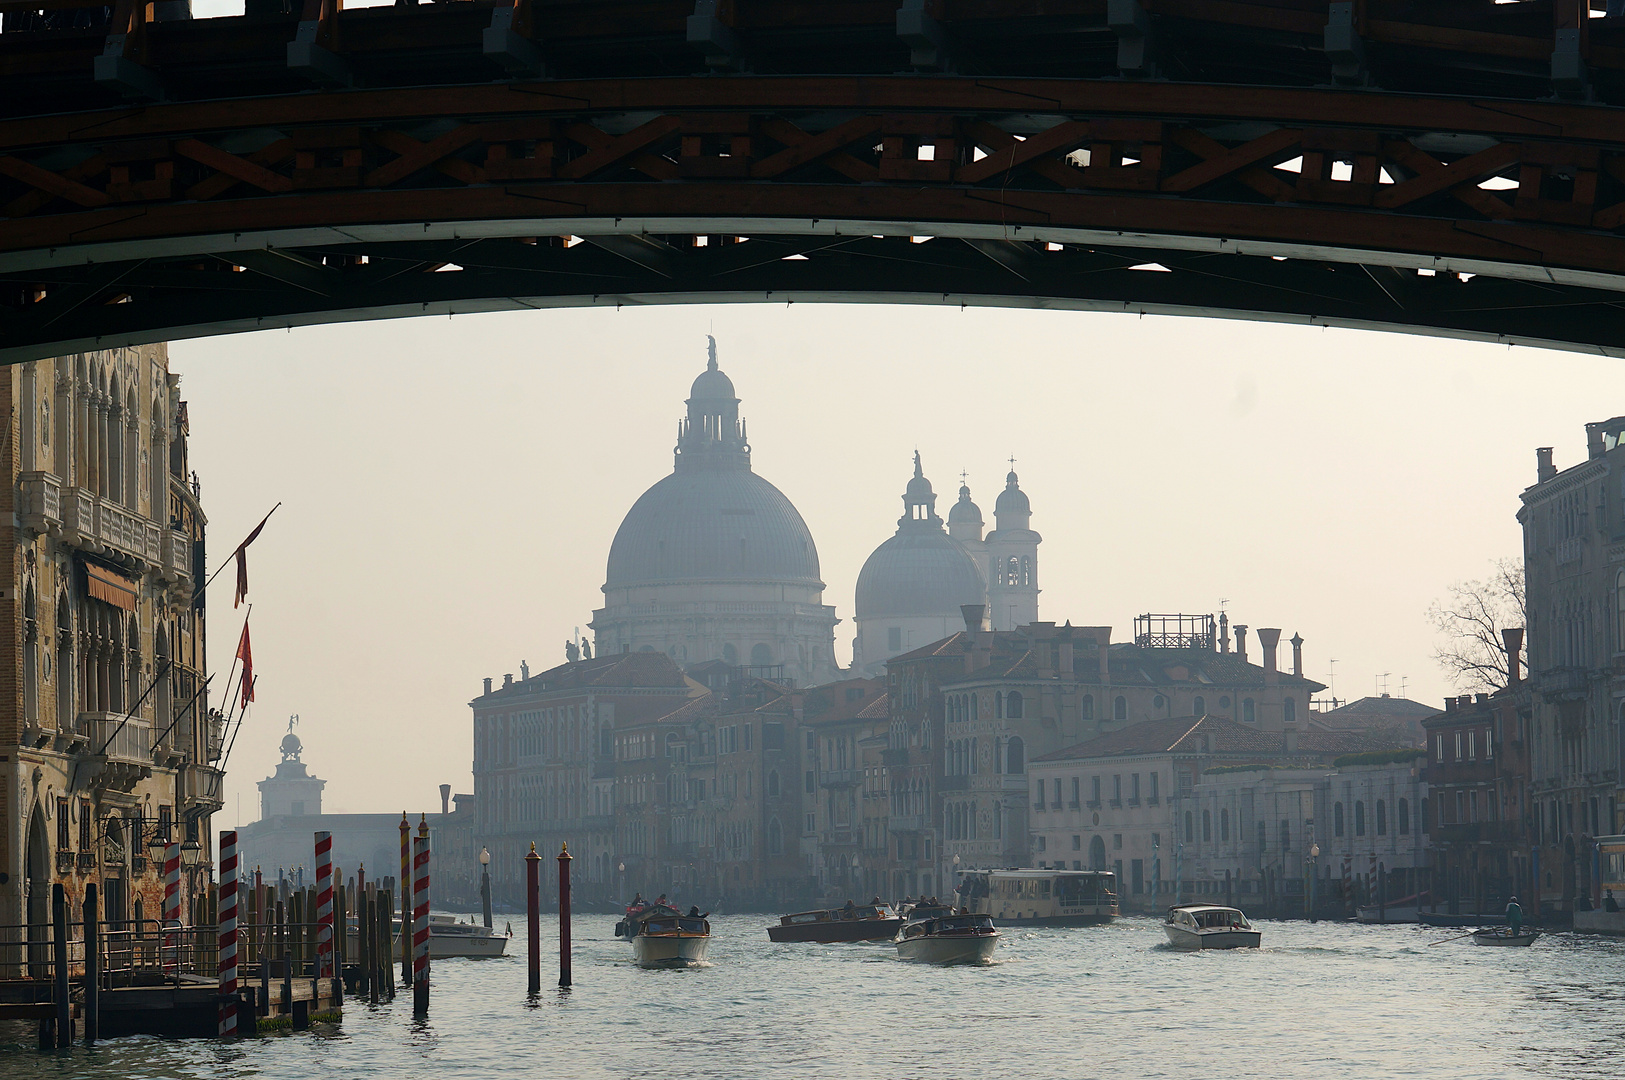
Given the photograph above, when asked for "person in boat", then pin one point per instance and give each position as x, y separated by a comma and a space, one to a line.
1608, 901
694, 913
1514, 916
876, 901
850, 911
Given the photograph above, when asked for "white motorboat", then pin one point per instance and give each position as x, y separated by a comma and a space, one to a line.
449, 938
1208, 926
663, 937
937, 935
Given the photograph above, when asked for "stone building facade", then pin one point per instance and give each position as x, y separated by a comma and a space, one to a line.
111, 738
1574, 573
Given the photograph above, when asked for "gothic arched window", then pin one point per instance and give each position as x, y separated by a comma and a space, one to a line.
1120, 708
1013, 706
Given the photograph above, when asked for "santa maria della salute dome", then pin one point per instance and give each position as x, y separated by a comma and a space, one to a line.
715, 563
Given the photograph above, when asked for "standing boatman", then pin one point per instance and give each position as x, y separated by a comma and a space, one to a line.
1514, 916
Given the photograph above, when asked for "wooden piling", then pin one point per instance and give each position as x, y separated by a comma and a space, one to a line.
420, 924
93, 965
533, 916
59, 958
564, 915
363, 943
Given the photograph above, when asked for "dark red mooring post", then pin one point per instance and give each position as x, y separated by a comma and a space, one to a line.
533, 912
564, 915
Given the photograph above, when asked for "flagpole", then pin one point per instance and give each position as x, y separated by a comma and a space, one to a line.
234, 659
227, 755
240, 547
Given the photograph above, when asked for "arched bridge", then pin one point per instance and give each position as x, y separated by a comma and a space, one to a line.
1452, 167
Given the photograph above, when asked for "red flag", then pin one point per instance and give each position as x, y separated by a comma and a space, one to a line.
246, 655
242, 560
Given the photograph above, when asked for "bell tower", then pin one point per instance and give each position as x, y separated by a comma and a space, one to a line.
1012, 557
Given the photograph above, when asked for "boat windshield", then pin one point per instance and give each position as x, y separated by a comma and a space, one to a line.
1223, 919
960, 924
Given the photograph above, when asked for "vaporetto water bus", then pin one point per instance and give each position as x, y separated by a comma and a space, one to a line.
1041, 897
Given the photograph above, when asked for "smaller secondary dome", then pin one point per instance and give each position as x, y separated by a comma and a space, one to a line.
1012, 500
291, 746
916, 573
965, 512
919, 488
712, 384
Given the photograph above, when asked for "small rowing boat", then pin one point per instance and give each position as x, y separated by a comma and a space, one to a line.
1503, 935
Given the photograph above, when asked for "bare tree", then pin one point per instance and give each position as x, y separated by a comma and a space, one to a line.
1470, 619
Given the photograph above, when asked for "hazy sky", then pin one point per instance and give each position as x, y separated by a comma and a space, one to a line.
450, 487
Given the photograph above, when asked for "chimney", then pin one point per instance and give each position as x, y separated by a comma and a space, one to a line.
1066, 659
1479, 699
1297, 655
972, 614
1224, 632
524, 671
1268, 639
1463, 701
1103, 646
1449, 704
445, 798
1594, 433
1512, 639
507, 681
1544, 469
1241, 641
1289, 740
487, 686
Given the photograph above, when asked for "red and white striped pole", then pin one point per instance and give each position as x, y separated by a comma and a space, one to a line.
172, 900
324, 905
228, 934
420, 926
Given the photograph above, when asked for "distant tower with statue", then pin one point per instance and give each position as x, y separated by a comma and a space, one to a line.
292, 791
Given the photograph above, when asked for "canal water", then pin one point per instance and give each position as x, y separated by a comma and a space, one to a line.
1323, 1000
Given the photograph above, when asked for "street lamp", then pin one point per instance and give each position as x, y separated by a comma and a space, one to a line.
485, 884
623, 880
1314, 873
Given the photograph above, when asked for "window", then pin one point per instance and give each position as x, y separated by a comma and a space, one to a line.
894, 638
1097, 853
1489, 745
1207, 827
84, 826
1055, 800
1013, 705
1472, 746
1224, 826
1190, 827
1120, 708
1404, 817
1382, 818
1158, 701
1117, 789
1458, 746
1286, 836
1015, 754
1086, 707
1075, 792
1153, 787
1041, 843
1134, 788
745, 730
998, 704
1337, 819
1249, 711
811, 782
773, 784
1359, 818
1077, 843
1038, 794
1199, 706
1117, 841
1290, 710
1094, 791
1438, 743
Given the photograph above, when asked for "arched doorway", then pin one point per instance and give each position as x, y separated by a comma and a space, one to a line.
37, 895
1097, 853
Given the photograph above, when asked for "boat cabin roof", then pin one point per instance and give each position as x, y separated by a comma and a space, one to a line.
1014, 872
1193, 908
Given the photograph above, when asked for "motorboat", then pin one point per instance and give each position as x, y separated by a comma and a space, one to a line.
1208, 926
936, 934
862, 922
449, 938
1503, 935
663, 937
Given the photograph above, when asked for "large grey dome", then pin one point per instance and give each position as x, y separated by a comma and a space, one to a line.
923, 572
712, 524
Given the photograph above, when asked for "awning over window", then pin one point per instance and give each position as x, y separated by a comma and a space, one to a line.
111, 586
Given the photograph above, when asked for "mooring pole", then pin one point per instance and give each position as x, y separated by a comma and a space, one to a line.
59, 957
172, 903
93, 966
406, 899
533, 915
564, 915
420, 927
227, 932
324, 905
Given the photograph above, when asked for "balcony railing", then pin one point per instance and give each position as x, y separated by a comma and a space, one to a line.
834, 778
40, 501
906, 823
113, 736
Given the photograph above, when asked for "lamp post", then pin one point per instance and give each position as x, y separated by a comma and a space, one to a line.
622, 868
485, 885
1156, 874
191, 857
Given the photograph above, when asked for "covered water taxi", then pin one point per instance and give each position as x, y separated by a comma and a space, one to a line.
935, 934
859, 922
1025, 897
663, 937
1208, 926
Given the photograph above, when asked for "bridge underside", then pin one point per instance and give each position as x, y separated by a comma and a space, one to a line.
349, 279
1239, 158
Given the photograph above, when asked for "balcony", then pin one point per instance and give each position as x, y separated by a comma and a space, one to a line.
200, 787
87, 862
1093, 804
118, 750
175, 555
64, 862
39, 502
102, 525
911, 823
1117, 804
839, 778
